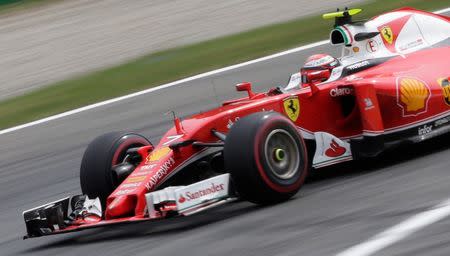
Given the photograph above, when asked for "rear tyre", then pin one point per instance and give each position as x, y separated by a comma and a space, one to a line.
266, 157
97, 178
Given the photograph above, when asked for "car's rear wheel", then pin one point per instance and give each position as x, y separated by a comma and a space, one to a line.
97, 177
266, 157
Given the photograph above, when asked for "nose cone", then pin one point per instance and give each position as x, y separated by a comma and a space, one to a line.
121, 206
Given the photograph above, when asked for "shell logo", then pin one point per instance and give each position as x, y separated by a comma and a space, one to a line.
412, 96
445, 84
158, 154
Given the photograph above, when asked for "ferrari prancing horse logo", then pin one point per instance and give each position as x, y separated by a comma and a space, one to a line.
292, 107
387, 34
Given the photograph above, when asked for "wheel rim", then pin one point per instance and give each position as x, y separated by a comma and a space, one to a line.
282, 154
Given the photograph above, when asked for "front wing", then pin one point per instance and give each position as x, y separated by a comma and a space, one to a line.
54, 218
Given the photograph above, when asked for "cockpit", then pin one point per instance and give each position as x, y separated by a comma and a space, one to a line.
364, 44
317, 69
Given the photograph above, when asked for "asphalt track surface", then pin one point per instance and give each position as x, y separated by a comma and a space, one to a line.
338, 208
68, 38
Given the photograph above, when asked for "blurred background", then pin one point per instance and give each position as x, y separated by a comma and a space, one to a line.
49, 40
85, 51
58, 55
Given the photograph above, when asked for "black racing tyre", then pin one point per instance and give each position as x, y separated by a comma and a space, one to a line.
96, 175
266, 157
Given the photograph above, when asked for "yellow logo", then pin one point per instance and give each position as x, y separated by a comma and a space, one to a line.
387, 34
292, 107
413, 96
158, 154
135, 179
445, 84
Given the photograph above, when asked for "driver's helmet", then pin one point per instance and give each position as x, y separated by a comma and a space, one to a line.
318, 68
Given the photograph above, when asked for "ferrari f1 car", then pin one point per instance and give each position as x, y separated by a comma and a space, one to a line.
390, 87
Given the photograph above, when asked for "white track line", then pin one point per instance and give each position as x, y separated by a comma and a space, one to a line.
399, 231
403, 229
188, 79
442, 11
184, 80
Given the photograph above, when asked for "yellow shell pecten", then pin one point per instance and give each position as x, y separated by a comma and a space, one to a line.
413, 93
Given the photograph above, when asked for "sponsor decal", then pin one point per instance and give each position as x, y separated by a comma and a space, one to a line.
161, 173
134, 179
352, 78
330, 150
412, 44
201, 192
140, 173
292, 107
319, 62
355, 49
130, 185
389, 32
442, 121
123, 192
335, 150
445, 84
158, 154
425, 129
172, 138
147, 167
336, 92
372, 45
358, 65
412, 96
231, 122
369, 104
386, 33
182, 199
198, 194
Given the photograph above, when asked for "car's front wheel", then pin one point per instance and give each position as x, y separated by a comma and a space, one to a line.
266, 157
97, 177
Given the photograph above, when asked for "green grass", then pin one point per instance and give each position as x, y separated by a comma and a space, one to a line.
161, 67
12, 2
9, 6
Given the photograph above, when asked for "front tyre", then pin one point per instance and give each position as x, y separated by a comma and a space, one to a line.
97, 178
266, 157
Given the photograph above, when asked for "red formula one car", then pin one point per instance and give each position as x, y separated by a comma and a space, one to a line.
390, 87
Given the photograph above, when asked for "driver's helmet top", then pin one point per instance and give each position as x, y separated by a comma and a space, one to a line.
318, 67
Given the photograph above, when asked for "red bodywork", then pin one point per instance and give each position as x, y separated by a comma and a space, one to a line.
401, 93
318, 112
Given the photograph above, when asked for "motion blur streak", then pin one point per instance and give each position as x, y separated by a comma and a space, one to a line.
184, 80
66, 38
400, 231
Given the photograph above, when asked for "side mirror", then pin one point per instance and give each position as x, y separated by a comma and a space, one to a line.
310, 79
365, 35
245, 86
318, 76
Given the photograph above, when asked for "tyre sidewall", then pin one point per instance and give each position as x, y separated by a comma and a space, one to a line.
245, 160
96, 177
280, 185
